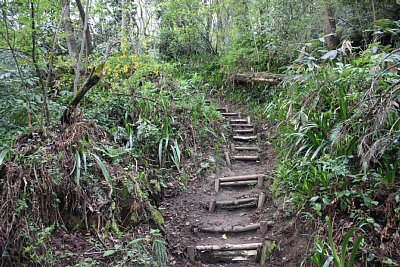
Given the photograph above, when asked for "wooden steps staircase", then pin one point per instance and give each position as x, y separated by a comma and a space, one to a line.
244, 149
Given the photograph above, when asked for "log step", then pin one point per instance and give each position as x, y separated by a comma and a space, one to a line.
263, 226
221, 109
246, 158
242, 131
241, 177
224, 253
227, 229
242, 125
247, 148
245, 137
232, 204
245, 180
240, 121
239, 183
237, 203
229, 114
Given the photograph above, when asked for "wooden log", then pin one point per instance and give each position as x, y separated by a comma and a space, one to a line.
244, 125
217, 184
229, 246
224, 252
260, 182
240, 206
265, 225
227, 159
241, 177
244, 138
221, 110
244, 131
230, 229
236, 201
247, 148
248, 119
229, 114
261, 200
212, 205
246, 158
257, 77
239, 121
232, 147
217, 257
239, 183
191, 251
242, 252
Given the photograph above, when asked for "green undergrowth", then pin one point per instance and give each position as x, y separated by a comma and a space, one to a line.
87, 194
336, 132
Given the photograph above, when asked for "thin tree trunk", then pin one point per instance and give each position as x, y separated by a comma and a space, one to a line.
84, 14
72, 50
53, 50
373, 9
45, 108
332, 41
83, 42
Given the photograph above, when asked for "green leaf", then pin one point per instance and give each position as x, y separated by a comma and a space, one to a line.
356, 245
3, 155
330, 55
108, 253
78, 167
328, 261
345, 242
103, 169
331, 243
84, 161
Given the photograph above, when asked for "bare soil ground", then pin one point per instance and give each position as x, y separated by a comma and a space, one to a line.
189, 210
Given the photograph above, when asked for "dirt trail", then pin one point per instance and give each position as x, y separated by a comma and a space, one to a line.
188, 215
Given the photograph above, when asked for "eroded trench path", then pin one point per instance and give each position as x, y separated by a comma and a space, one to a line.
228, 218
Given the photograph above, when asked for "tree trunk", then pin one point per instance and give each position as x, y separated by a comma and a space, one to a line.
72, 50
88, 36
53, 50
94, 78
332, 41
45, 109
84, 41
